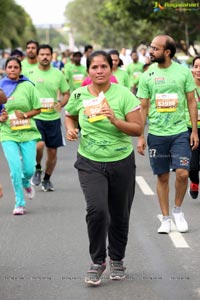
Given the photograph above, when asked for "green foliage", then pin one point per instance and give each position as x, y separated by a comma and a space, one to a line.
51, 36
117, 23
15, 25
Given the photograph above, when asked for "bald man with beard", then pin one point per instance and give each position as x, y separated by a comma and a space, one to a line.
166, 89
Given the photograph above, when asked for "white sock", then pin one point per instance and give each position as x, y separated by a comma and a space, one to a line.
165, 218
177, 209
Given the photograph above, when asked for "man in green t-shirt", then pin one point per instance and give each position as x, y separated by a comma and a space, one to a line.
76, 73
164, 90
50, 84
134, 70
30, 61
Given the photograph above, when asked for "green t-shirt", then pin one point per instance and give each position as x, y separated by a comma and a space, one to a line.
166, 88
48, 84
197, 97
102, 141
27, 68
75, 76
24, 98
122, 77
134, 71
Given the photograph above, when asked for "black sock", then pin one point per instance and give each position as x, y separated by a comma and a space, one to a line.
38, 167
46, 176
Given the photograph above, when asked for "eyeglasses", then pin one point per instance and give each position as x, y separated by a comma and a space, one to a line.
154, 48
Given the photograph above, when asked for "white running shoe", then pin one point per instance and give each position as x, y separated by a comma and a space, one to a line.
20, 210
29, 192
165, 226
181, 223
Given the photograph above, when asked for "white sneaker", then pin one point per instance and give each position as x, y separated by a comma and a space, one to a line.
20, 210
165, 226
29, 192
181, 223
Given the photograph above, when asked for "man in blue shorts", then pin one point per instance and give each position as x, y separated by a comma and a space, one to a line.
50, 82
166, 89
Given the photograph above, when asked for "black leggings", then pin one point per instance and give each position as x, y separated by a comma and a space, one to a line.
195, 162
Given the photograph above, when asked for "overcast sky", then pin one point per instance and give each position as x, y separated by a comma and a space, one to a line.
45, 12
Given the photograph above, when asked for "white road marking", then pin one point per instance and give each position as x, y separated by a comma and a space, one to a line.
145, 188
176, 237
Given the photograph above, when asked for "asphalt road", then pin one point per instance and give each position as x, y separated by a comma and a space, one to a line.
44, 254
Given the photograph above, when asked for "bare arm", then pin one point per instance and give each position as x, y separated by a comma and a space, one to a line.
131, 126
3, 97
28, 114
65, 99
71, 126
192, 107
58, 106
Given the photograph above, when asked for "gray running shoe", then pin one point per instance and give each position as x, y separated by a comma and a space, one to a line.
117, 270
93, 276
36, 179
47, 186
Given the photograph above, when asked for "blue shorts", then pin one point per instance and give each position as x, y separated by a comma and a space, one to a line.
51, 133
169, 152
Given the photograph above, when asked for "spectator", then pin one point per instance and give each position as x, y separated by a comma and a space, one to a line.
87, 51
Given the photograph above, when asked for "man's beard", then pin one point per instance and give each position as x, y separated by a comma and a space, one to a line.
159, 60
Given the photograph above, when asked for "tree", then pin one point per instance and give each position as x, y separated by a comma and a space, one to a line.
15, 25
115, 23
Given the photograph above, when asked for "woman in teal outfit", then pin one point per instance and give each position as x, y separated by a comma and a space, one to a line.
19, 133
3, 100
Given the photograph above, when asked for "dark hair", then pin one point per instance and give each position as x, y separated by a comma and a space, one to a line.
170, 44
17, 52
45, 46
197, 57
77, 53
87, 47
116, 52
13, 58
99, 53
133, 51
32, 42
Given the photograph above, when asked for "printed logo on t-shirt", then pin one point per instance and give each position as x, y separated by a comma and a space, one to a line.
159, 80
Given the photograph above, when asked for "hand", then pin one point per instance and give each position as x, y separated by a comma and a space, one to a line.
4, 116
141, 145
58, 106
19, 114
194, 141
72, 134
108, 112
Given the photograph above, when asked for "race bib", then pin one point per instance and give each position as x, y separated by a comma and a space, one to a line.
93, 108
198, 117
166, 102
136, 74
47, 105
78, 78
19, 124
